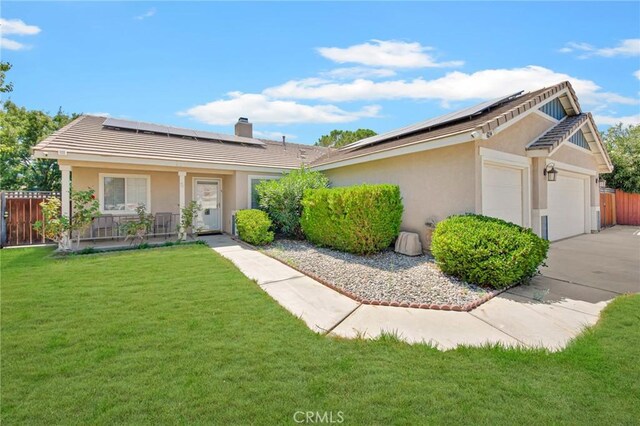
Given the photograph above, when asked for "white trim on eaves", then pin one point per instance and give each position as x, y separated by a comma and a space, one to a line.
158, 162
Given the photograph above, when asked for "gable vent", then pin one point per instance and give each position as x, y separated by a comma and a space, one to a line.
554, 109
578, 139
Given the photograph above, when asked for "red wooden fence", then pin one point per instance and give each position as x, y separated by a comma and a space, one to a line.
627, 208
19, 211
607, 207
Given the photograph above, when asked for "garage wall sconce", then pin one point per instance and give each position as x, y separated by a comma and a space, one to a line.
550, 172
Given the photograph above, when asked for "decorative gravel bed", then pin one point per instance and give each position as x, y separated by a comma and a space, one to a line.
383, 278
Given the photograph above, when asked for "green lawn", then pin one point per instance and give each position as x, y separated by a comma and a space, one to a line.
180, 335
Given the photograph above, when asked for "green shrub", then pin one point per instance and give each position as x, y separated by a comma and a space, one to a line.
359, 219
487, 251
281, 198
254, 227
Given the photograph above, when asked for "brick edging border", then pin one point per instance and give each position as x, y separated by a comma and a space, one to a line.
457, 308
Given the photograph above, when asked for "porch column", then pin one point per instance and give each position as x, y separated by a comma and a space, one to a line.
65, 198
182, 201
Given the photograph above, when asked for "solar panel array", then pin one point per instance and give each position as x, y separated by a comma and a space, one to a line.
432, 122
142, 127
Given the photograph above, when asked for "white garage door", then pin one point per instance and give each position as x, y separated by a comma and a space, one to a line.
502, 193
566, 207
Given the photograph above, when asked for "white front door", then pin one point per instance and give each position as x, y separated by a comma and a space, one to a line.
207, 193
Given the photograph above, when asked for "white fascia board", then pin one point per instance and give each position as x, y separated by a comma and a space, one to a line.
608, 167
418, 146
543, 152
53, 155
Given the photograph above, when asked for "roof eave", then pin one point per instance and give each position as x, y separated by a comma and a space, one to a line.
150, 160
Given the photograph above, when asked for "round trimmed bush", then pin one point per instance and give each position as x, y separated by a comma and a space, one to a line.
487, 251
254, 227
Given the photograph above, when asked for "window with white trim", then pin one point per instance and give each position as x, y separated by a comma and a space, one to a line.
254, 199
123, 193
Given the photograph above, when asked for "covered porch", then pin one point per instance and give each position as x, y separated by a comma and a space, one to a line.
164, 192
120, 186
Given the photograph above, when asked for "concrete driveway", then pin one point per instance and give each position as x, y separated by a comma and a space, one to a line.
591, 267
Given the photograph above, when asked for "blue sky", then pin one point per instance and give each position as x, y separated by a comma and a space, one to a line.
302, 69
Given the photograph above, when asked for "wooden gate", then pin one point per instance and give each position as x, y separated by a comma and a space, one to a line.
627, 208
20, 210
607, 207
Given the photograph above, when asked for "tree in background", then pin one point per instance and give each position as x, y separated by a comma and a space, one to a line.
623, 145
282, 198
20, 130
339, 138
4, 68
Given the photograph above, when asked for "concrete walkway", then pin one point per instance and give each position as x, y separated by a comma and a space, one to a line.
584, 273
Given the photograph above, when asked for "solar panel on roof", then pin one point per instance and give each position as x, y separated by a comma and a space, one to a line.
140, 126
122, 124
154, 128
201, 134
178, 131
432, 122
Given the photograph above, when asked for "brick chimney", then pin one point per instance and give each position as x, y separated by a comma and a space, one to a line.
244, 128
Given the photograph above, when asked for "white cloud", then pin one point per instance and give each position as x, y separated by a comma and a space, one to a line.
388, 54
628, 47
272, 135
637, 74
454, 86
612, 121
8, 44
261, 109
17, 27
358, 72
98, 114
148, 14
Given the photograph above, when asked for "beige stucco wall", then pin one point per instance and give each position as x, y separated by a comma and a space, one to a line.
515, 138
575, 157
434, 184
538, 184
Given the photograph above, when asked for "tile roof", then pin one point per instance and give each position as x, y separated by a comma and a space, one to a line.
561, 131
485, 122
86, 135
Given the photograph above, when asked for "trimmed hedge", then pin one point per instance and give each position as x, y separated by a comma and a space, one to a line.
487, 251
359, 219
254, 227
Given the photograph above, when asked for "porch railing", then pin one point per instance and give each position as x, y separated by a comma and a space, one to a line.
110, 227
